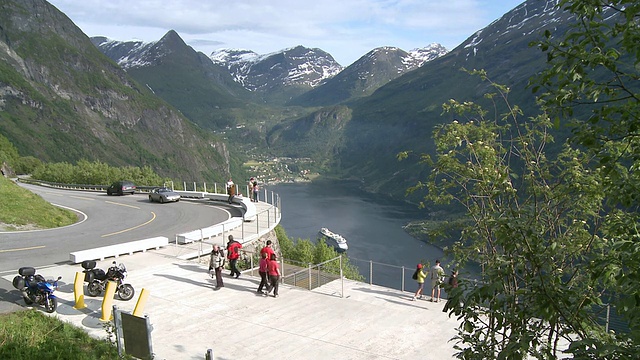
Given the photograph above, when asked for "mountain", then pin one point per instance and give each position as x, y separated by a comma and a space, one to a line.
281, 75
203, 91
367, 74
401, 114
61, 99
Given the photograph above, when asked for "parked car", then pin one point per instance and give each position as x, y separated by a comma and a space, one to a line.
121, 188
163, 195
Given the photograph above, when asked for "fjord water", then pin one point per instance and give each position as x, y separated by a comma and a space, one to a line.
372, 225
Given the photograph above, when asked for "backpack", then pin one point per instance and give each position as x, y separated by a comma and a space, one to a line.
451, 280
415, 274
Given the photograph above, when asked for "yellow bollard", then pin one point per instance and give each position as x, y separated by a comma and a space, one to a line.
108, 301
78, 291
142, 301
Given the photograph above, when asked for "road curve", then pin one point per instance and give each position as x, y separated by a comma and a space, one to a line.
104, 220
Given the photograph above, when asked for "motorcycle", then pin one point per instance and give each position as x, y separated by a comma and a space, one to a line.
97, 279
36, 289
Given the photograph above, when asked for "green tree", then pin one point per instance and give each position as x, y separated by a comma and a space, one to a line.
593, 75
529, 232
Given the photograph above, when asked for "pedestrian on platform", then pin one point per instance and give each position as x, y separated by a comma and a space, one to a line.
437, 278
255, 190
453, 280
216, 263
262, 270
233, 254
268, 248
419, 276
273, 271
231, 190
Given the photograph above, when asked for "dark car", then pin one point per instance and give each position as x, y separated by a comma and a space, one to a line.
121, 188
163, 195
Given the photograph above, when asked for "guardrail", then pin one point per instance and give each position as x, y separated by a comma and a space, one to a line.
263, 221
119, 249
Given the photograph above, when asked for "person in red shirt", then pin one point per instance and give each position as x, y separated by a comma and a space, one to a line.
233, 254
268, 249
273, 270
262, 270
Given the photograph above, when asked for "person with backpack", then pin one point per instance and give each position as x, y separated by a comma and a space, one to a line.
216, 263
233, 254
419, 276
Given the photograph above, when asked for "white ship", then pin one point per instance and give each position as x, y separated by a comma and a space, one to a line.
339, 242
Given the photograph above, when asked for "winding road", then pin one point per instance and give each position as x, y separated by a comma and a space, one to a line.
103, 220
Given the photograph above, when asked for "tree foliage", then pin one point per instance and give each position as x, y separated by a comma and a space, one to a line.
557, 237
95, 173
532, 235
594, 75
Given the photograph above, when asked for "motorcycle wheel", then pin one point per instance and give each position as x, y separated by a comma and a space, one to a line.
94, 289
126, 292
27, 300
51, 304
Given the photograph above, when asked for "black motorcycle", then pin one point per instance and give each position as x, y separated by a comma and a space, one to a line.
97, 279
36, 289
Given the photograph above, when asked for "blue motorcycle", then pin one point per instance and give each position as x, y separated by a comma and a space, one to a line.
36, 289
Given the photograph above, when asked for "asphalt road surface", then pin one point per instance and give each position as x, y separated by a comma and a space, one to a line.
102, 220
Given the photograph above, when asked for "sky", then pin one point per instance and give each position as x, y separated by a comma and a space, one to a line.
346, 29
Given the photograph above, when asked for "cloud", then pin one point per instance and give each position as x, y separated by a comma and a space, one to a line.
347, 29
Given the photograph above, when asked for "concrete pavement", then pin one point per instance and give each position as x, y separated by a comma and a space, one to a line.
189, 317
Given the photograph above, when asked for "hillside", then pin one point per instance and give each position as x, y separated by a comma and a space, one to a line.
401, 115
63, 100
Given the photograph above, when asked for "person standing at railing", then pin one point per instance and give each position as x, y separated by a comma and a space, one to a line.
419, 276
255, 190
437, 278
216, 263
231, 190
262, 270
273, 270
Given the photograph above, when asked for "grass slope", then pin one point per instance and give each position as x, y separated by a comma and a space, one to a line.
21, 209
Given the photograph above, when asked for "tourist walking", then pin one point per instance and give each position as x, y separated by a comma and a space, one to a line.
419, 276
273, 271
233, 254
437, 277
262, 270
216, 263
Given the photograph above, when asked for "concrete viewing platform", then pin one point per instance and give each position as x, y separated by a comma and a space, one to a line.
189, 317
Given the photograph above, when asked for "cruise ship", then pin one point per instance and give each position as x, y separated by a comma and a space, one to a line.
339, 242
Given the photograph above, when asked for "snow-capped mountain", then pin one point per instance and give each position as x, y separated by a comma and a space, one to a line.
292, 70
427, 53
363, 77
127, 54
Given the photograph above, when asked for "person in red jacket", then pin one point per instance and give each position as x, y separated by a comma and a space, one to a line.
273, 270
233, 254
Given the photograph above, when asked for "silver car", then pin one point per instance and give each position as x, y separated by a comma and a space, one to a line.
163, 195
